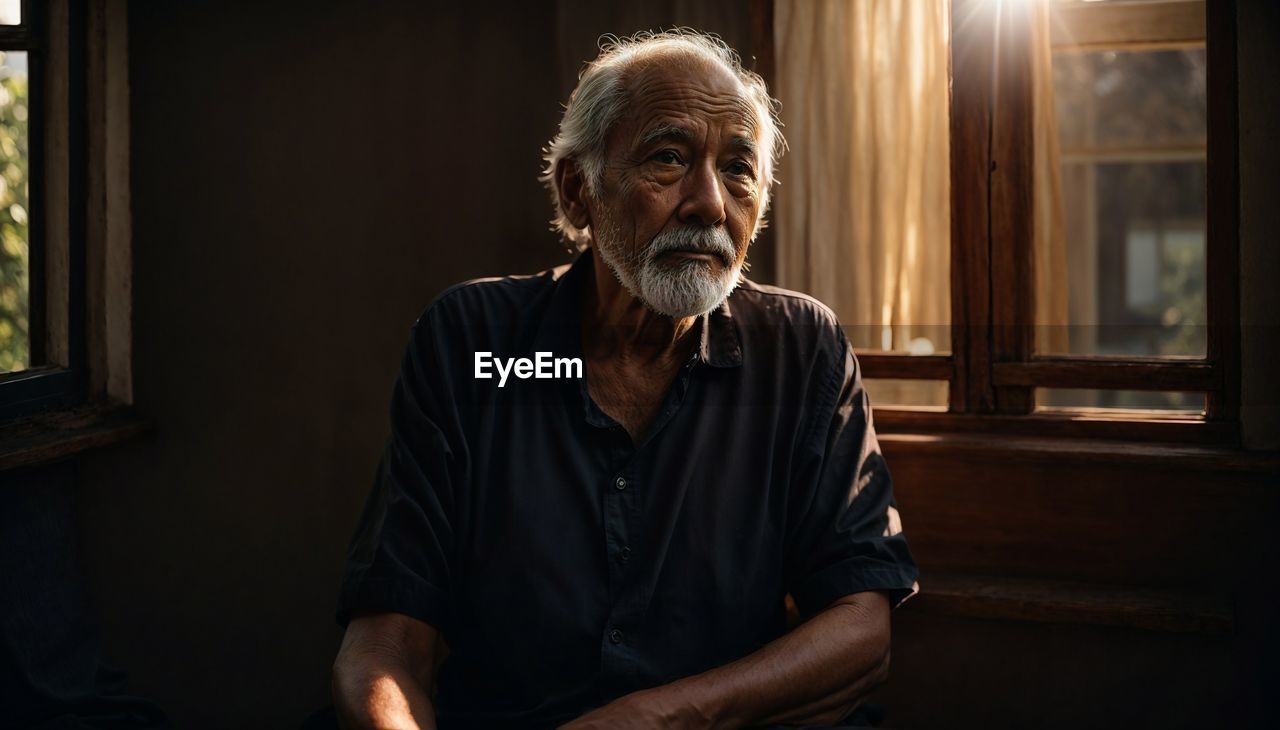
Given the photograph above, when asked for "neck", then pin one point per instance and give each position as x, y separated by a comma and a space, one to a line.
616, 322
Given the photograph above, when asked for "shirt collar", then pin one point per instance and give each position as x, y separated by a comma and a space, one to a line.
559, 331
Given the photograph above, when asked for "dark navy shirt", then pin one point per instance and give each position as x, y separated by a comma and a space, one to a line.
565, 565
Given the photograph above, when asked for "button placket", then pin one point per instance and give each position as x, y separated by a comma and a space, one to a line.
622, 496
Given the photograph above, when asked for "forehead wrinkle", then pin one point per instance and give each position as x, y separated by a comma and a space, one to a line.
679, 100
666, 130
690, 123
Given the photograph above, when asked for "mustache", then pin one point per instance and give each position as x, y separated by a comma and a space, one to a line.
696, 239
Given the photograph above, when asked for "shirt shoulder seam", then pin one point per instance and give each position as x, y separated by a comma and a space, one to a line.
524, 281
764, 290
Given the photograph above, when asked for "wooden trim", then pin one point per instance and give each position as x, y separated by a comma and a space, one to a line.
36, 389
972, 37
25, 36
1114, 26
1169, 153
1013, 201
109, 230
1065, 425
905, 367
1127, 46
55, 187
53, 437
18, 38
1222, 236
1061, 602
76, 182
1037, 449
1108, 374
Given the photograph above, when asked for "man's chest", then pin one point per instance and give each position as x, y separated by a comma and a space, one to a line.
681, 555
563, 498
566, 531
631, 394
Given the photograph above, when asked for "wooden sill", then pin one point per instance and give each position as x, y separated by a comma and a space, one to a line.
1110, 426
1071, 603
50, 437
1003, 448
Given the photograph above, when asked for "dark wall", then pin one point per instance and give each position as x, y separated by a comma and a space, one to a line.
306, 177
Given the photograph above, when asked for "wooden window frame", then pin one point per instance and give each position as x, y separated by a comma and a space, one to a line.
993, 369
82, 398
53, 35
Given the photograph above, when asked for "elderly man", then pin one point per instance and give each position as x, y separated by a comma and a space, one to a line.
617, 545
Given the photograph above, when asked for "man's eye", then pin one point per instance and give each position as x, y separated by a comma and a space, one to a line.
738, 168
667, 157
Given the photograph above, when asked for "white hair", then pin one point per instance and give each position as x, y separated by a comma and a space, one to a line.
600, 98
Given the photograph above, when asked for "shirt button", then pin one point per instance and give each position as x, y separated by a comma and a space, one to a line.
624, 554
615, 636
620, 483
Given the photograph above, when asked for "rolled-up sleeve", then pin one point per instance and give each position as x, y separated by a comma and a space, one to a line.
399, 558
846, 534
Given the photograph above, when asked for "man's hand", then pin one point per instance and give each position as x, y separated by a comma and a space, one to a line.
816, 674
383, 673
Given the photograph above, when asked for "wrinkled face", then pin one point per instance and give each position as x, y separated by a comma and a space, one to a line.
682, 186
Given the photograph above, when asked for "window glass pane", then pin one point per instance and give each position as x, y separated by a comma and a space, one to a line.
1134, 400
10, 12
14, 256
1129, 271
1130, 98
915, 394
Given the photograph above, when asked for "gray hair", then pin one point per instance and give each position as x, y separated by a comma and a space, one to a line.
599, 101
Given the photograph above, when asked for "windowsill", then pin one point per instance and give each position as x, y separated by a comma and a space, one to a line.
1003, 447
1122, 430
1071, 603
50, 437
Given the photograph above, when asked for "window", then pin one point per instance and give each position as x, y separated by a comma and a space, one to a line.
1087, 261
42, 287
1129, 84
15, 107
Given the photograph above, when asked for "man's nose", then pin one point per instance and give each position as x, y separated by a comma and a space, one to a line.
703, 202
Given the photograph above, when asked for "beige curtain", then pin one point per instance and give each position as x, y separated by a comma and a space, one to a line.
863, 210
863, 218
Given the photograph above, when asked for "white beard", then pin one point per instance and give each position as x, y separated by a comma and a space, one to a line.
685, 289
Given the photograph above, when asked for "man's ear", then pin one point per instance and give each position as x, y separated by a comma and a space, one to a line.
573, 193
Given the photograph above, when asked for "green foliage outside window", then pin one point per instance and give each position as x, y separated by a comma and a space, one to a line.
14, 259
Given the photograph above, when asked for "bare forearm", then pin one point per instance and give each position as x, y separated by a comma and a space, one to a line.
383, 672
817, 673
372, 694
